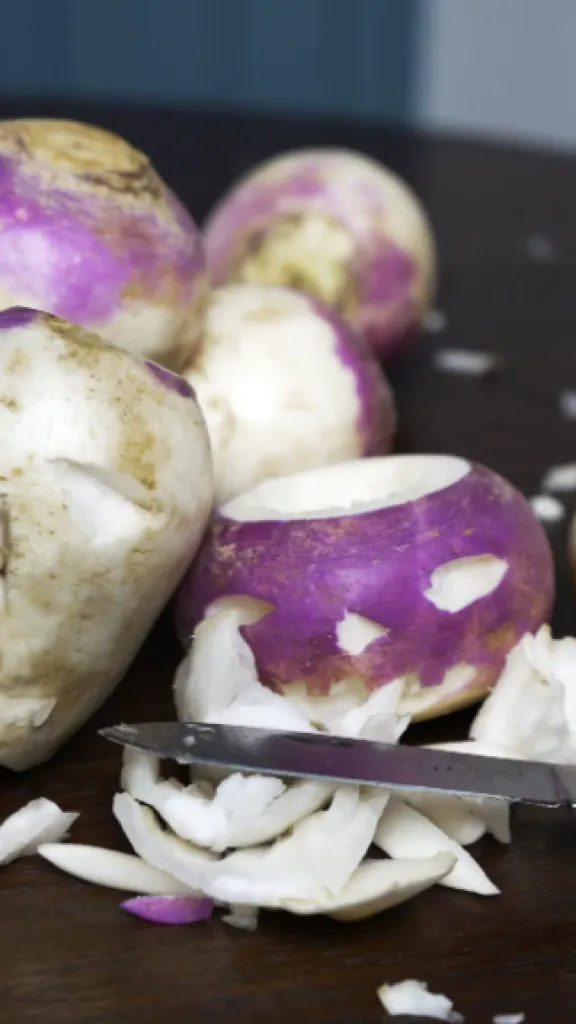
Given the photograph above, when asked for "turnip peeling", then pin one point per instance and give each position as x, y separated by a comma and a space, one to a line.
319, 855
241, 811
424, 568
336, 225
377, 885
221, 656
412, 998
405, 832
89, 232
285, 385
107, 484
532, 710
456, 817
39, 821
236, 696
112, 869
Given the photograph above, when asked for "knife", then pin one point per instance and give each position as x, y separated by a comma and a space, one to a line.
343, 760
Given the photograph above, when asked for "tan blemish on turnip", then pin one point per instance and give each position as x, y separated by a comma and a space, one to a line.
9, 403
100, 161
17, 361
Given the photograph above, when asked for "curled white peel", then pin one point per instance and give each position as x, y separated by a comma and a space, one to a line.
532, 709
39, 821
218, 681
495, 814
458, 818
162, 850
405, 832
348, 712
242, 811
321, 853
377, 885
113, 869
319, 856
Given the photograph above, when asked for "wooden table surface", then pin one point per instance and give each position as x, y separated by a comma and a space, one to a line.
67, 954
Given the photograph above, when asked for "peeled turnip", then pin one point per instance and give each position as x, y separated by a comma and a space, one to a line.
89, 232
333, 224
285, 385
107, 486
421, 568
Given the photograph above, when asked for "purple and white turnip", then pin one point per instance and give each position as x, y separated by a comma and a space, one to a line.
423, 568
107, 487
89, 232
336, 225
285, 385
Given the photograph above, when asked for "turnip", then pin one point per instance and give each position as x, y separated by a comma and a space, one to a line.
107, 486
336, 225
285, 385
423, 568
89, 232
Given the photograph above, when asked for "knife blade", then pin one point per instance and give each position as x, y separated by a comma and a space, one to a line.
343, 760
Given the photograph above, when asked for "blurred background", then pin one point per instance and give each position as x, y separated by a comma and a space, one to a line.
499, 68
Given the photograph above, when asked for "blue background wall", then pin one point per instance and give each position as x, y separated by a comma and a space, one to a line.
503, 67
312, 55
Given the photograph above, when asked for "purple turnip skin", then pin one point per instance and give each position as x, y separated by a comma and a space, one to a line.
169, 380
378, 564
385, 279
376, 423
90, 233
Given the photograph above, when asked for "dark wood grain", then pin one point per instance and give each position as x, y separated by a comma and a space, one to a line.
67, 954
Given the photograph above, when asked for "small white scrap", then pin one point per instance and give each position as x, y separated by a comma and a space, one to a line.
244, 918
547, 508
433, 321
541, 249
560, 478
39, 821
466, 362
567, 404
509, 1018
412, 998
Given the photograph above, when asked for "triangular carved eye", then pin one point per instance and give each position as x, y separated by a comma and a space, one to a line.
459, 583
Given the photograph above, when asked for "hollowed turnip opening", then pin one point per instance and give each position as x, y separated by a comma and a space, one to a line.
348, 488
463, 581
